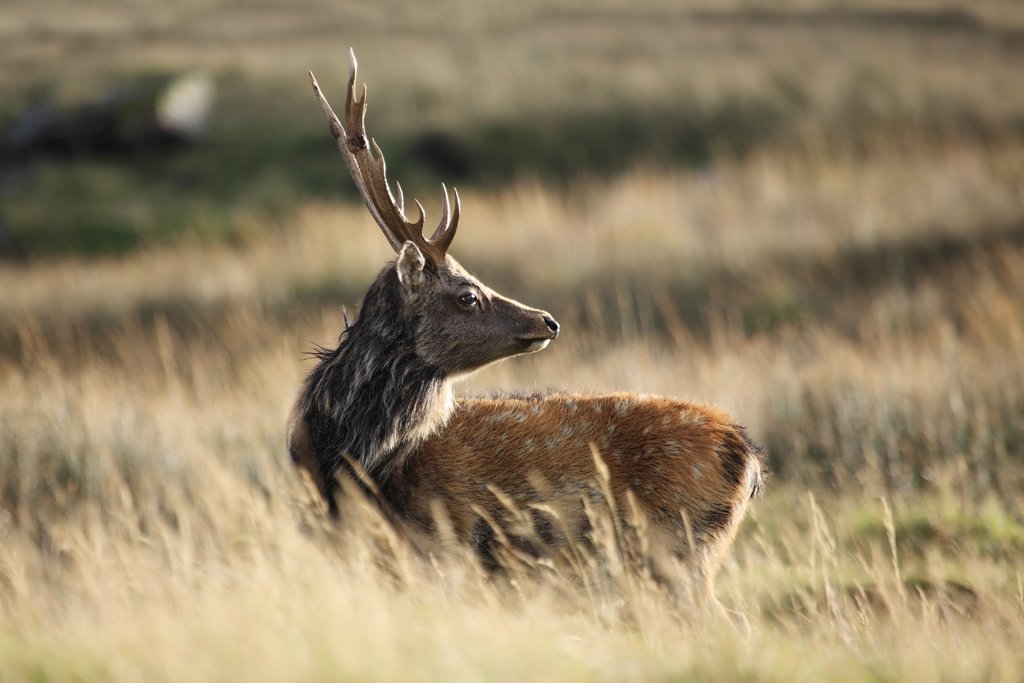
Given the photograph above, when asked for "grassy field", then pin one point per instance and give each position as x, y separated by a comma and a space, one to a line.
849, 285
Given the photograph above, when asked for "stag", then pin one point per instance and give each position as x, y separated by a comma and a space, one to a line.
379, 409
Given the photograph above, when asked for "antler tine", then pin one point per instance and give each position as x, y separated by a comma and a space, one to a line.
355, 107
366, 164
444, 233
401, 197
445, 240
442, 225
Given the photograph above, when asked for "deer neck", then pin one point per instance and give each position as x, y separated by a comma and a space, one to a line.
377, 400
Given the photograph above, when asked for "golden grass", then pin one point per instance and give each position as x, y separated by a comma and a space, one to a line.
151, 526
857, 303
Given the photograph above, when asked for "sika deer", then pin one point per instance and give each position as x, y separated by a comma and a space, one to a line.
382, 401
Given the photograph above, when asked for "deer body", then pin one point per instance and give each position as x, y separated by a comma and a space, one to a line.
380, 406
681, 462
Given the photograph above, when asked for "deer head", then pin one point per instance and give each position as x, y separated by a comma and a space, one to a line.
457, 323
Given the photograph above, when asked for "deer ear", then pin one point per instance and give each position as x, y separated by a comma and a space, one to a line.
410, 267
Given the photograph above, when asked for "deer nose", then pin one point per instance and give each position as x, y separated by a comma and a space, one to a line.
552, 325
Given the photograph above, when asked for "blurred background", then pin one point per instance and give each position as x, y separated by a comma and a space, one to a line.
810, 212
133, 124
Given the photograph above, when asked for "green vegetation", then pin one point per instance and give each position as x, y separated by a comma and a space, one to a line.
542, 91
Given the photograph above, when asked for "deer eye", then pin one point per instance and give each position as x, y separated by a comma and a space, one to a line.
469, 299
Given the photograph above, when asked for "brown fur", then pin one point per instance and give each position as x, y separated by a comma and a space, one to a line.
675, 457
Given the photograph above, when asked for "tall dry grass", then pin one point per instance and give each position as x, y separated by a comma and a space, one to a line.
863, 314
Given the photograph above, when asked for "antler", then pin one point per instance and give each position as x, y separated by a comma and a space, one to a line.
370, 175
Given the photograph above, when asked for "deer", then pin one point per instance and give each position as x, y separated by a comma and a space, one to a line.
379, 408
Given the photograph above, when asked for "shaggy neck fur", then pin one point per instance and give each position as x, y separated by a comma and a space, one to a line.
372, 398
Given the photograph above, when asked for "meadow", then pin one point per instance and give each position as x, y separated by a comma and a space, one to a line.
846, 279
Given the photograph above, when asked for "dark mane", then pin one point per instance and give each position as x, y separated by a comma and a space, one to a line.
372, 398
